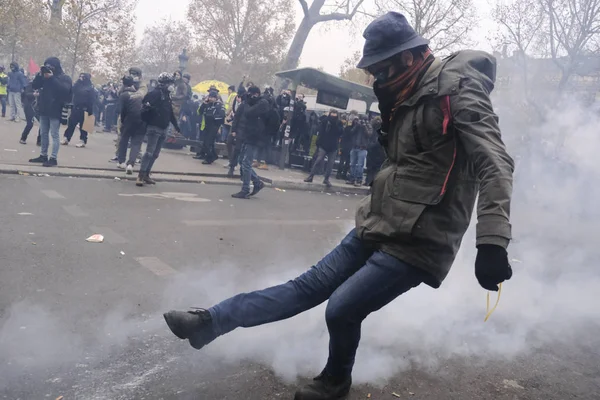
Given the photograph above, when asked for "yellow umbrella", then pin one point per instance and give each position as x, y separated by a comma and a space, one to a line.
203, 86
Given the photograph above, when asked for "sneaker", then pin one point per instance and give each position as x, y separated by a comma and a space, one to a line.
51, 162
206, 162
241, 195
114, 160
139, 181
263, 166
198, 157
357, 184
64, 142
22, 141
80, 145
195, 325
325, 387
257, 188
121, 166
129, 170
309, 179
40, 159
149, 180
327, 183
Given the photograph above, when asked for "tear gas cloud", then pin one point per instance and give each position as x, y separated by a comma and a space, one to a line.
552, 296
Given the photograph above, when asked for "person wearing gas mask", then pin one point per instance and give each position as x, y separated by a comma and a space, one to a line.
214, 116
157, 113
253, 112
444, 148
16, 84
330, 131
84, 97
3, 91
55, 88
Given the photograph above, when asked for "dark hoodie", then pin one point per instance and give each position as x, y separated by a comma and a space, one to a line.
16, 79
160, 108
84, 95
55, 91
329, 134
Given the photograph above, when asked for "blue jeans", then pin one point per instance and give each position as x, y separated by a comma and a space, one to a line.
50, 127
357, 280
3, 104
248, 174
225, 129
156, 137
357, 164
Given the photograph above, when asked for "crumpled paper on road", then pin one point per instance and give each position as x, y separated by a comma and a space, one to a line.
97, 238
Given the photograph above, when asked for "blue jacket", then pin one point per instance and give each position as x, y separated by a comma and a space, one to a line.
16, 81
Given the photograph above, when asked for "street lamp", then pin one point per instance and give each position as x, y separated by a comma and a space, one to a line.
183, 60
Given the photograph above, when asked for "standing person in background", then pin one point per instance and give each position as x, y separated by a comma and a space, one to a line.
3, 91
110, 104
214, 114
255, 111
28, 99
375, 152
157, 113
329, 134
182, 93
132, 126
16, 84
358, 154
346, 145
84, 97
226, 128
55, 91
234, 141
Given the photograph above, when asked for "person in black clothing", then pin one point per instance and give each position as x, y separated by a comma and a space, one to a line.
214, 116
132, 126
254, 111
110, 107
55, 91
346, 145
28, 99
157, 113
84, 97
329, 134
234, 143
375, 153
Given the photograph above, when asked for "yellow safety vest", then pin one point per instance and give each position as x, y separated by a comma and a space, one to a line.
3, 87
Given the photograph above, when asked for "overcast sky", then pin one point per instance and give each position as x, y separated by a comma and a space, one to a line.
326, 47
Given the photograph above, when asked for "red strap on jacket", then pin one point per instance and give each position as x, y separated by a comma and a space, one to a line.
447, 114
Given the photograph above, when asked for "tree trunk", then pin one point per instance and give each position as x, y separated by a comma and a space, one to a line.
564, 78
56, 11
295, 51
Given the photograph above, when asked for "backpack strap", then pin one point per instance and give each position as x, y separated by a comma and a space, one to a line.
445, 105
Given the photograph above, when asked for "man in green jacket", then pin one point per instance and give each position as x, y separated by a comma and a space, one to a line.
443, 147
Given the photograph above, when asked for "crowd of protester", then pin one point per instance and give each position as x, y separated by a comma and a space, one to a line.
252, 123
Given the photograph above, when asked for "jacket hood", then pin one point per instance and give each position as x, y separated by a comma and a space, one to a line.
14, 65
135, 70
55, 62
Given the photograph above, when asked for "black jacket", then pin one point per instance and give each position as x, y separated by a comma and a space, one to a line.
160, 109
329, 134
347, 141
27, 97
84, 95
131, 111
55, 91
254, 118
360, 137
214, 115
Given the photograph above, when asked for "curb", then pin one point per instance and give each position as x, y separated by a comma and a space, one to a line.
201, 179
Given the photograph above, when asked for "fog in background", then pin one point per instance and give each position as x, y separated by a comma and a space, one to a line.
552, 297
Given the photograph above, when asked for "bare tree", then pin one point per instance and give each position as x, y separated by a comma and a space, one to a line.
318, 12
22, 25
161, 45
573, 29
242, 30
349, 72
446, 23
521, 24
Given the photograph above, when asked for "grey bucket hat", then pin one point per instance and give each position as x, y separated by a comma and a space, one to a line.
386, 36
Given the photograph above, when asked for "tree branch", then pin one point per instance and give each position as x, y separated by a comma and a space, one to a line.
338, 16
304, 7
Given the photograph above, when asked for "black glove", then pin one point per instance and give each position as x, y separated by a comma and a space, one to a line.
491, 266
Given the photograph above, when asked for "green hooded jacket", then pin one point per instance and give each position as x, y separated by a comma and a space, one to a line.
423, 197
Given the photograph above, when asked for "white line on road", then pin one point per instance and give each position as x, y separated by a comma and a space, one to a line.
253, 222
75, 211
155, 265
109, 235
53, 194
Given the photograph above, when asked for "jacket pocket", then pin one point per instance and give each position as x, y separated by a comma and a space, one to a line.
406, 200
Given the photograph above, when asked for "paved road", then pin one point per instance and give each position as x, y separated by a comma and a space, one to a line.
83, 320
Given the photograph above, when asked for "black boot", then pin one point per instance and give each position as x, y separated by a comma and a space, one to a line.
40, 160
194, 325
148, 180
230, 173
327, 183
241, 195
50, 163
309, 179
257, 188
325, 387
